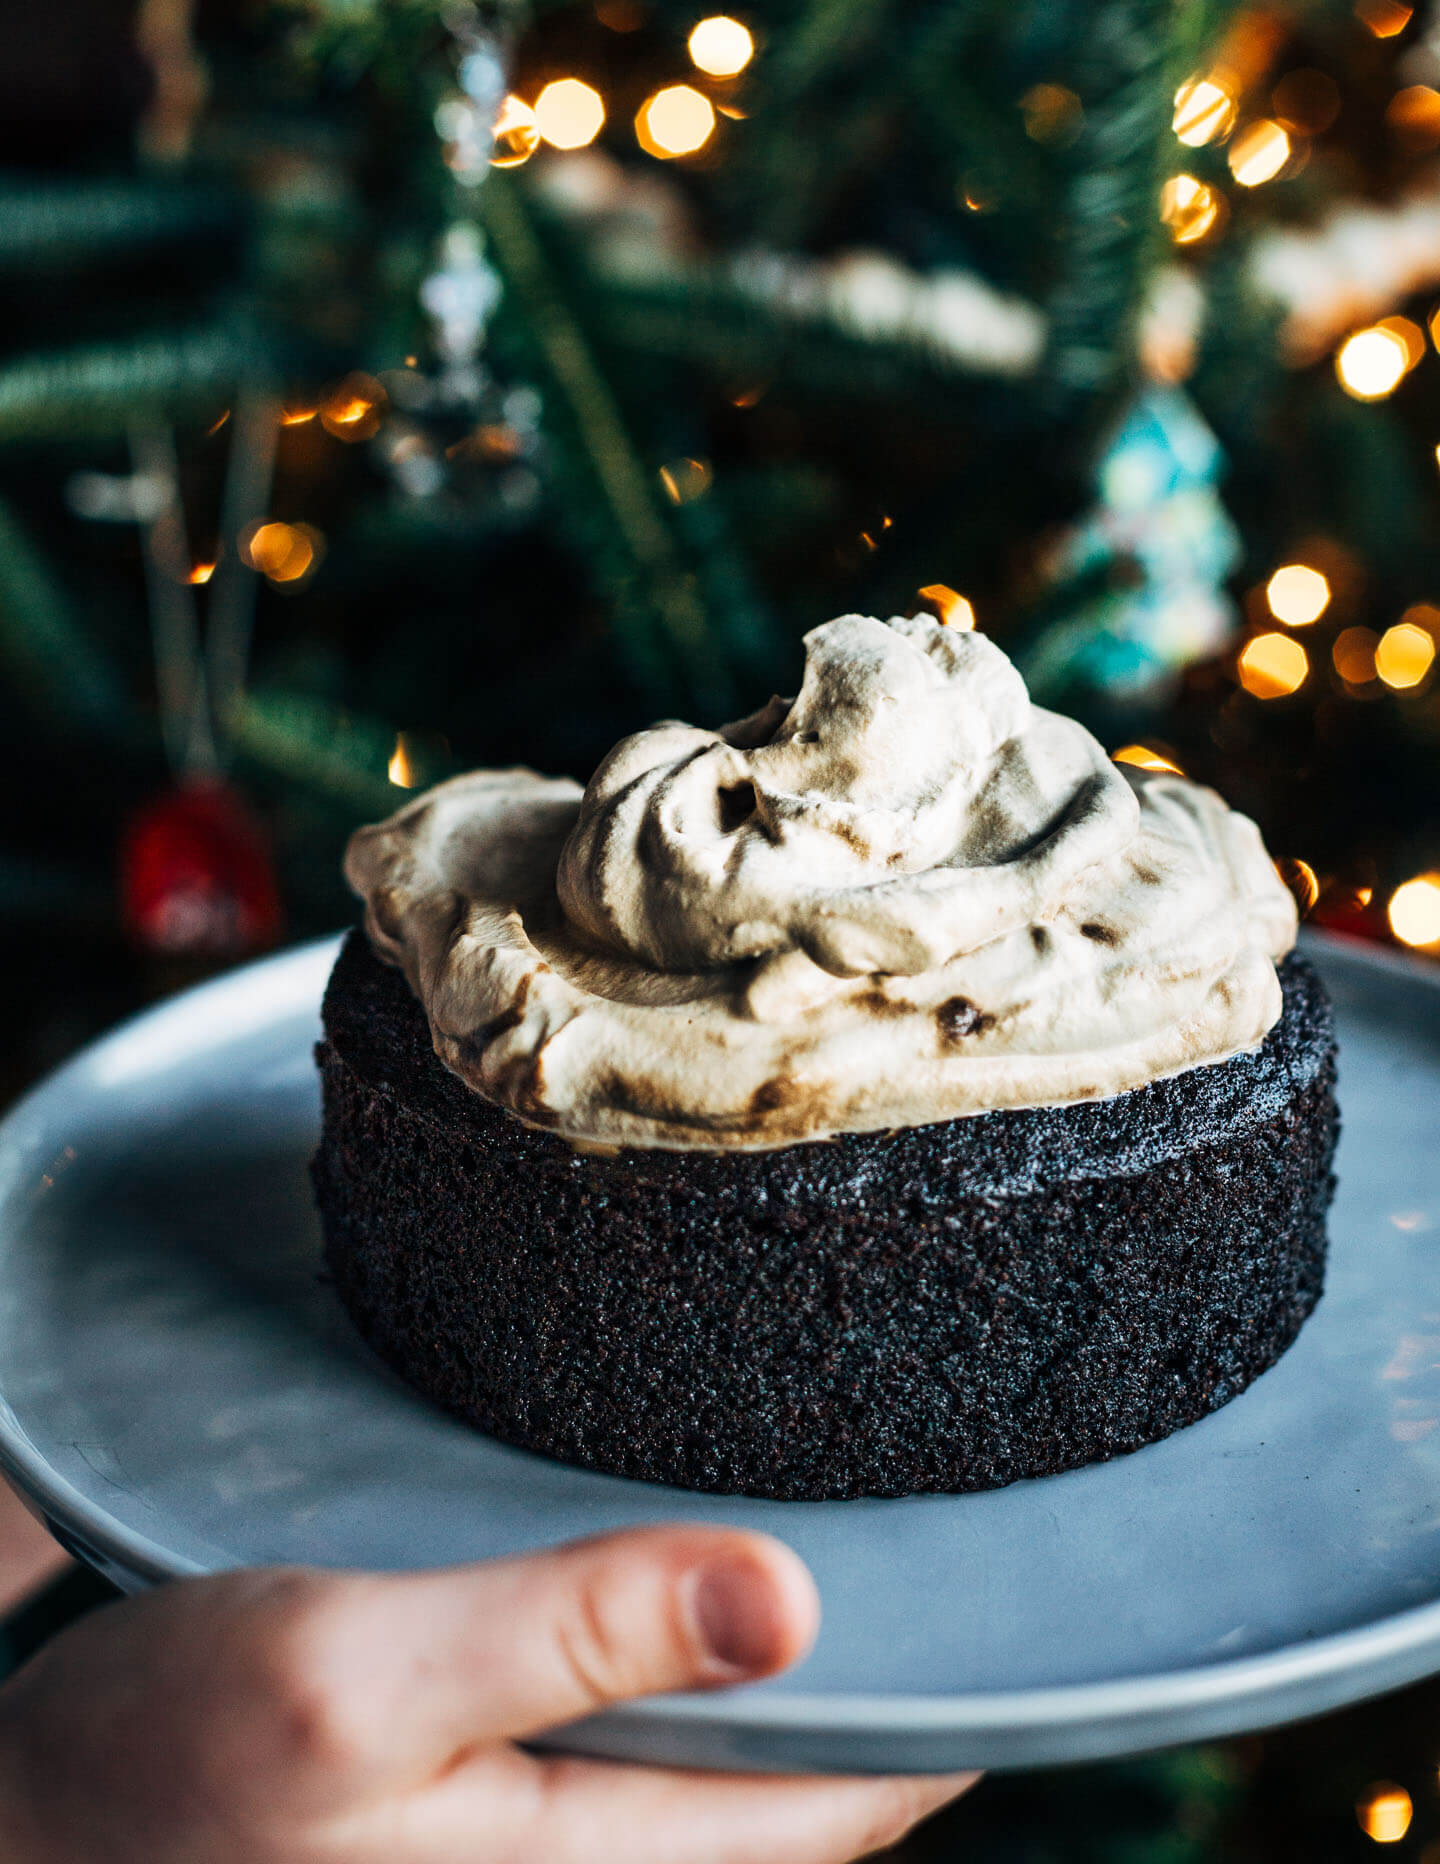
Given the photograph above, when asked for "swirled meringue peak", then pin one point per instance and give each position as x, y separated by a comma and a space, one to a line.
904, 896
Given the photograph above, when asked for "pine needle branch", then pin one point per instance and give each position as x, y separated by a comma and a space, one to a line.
100, 390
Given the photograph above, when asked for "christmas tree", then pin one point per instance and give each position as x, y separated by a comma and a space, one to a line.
409, 385
390, 386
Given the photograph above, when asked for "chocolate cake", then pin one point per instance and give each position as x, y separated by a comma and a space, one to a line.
886, 1094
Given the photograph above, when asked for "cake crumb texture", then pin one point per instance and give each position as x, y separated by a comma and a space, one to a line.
943, 1308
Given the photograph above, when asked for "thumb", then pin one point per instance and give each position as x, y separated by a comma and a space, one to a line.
517, 1646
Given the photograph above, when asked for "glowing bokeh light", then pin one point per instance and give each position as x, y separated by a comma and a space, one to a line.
1258, 153
352, 411
1204, 112
952, 608
1407, 333
721, 46
676, 121
401, 768
1405, 655
1370, 363
284, 553
1385, 18
1297, 595
1190, 208
1354, 655
1302, 880
1414, 915
1271, 666
516, 134
1144, 757
1413, 117
201, 573
685, 480
569, 114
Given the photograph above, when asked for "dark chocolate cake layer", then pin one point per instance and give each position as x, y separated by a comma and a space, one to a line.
947, 1307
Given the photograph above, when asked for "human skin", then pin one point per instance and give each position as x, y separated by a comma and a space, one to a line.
291, 1716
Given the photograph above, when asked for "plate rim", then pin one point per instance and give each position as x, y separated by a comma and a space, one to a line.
1404, 1645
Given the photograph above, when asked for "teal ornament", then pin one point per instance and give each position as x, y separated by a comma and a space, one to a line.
1139, 581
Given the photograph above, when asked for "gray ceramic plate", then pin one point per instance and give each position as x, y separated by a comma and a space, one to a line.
181, 1393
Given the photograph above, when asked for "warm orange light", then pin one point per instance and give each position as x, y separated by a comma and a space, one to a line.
1414, 915
1413, 117
1190, 208
1354, 655
1385, 18
1272, 665
1405, 655
1144, 757
1204, 112
401, 768
569, 113
676, 121
686, 480
1052, 113
516, 133
282, 552
721, 46
201, 573
1258, 153
1297, 595
353, 410
1371, 363
1302, 880
949, 605
1407, 333
297, 417
217, 424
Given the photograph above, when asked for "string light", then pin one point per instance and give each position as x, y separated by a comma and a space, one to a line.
1370, 363
1258, 153
1271, 666
569, 114
950, 607
297, 416
1407, 333
283, 553
1414, 915
1190, 208
201, 573
352, 412
1413, 117
1145, 757
1302, 880
1385, 18
1297, 595
516, 134
1204, 112
401, 768
678, 120
1405, 655
1354, 655
686, 480
721, 46
217, 424
1052, 114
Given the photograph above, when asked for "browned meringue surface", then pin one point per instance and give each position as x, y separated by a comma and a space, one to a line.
905, 896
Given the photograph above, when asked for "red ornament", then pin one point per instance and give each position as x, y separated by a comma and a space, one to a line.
197, 875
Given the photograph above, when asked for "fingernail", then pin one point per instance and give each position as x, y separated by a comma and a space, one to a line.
738, 1617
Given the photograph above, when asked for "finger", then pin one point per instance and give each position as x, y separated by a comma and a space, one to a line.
516, 1646
597, 1812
